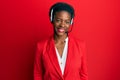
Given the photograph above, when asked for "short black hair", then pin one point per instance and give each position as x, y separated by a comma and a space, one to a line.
61, 6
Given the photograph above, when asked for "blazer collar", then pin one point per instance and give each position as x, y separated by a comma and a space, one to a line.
54, 60
69, 56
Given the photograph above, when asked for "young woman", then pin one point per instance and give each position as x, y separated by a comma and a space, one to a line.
60, 57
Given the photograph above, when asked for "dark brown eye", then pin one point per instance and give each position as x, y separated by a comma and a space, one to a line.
67, 22
58, 20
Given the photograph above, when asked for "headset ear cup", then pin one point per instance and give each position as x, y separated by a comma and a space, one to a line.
51, 15
71, 21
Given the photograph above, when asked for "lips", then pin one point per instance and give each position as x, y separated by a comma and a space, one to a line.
60, 30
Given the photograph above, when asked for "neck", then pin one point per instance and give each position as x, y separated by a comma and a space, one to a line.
60, 39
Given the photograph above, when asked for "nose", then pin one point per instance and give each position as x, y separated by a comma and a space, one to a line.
62, 24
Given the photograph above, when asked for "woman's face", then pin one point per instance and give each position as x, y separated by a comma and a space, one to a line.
61, 22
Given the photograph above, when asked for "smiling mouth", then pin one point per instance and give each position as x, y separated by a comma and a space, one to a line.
61, 30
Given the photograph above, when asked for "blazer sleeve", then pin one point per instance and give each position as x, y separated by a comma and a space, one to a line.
83, 71
38, 63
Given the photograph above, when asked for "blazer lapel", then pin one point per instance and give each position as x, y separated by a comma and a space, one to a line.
69, 57
53, 57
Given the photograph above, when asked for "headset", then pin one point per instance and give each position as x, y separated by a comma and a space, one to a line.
51, 17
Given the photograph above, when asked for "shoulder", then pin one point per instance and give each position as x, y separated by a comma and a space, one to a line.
42, 43
80, 44
77, 41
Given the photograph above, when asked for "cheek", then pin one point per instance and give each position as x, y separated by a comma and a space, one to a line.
67, 27
55, 25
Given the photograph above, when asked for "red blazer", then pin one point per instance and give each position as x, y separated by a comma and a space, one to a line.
46, 66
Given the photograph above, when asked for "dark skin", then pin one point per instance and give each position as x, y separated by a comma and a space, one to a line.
61, 25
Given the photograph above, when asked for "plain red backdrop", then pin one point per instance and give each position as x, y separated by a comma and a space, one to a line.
24, 22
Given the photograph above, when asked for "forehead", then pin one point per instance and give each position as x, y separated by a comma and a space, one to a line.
63, 14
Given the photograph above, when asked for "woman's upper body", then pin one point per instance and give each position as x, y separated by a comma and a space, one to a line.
60, 57
47, 67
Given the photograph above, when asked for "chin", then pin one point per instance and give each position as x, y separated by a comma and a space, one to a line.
61, 34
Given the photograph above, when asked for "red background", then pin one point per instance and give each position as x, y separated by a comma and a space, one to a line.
24, 22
